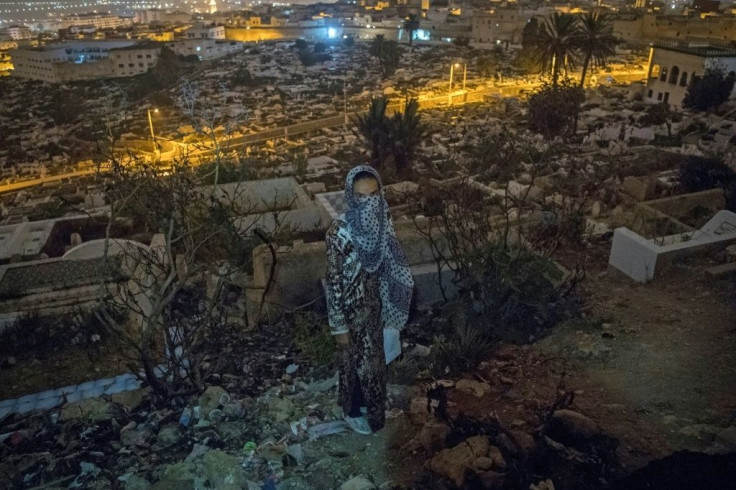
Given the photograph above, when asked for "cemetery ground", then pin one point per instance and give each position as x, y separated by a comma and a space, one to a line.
650, 367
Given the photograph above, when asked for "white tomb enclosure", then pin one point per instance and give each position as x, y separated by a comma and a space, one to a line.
641, 259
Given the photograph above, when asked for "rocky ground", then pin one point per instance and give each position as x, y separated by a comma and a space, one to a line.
647, 372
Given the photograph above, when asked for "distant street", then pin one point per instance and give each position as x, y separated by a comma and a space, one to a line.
458, 97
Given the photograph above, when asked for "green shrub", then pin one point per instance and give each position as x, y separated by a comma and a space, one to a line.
553, 110
460, 351
699, 174
515, 293
313, 337
662, 140
39, 336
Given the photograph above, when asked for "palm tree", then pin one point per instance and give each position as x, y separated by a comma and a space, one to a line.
398, 136
390, 58
372, 128
556, 44
411, 25
377, 46
595, 41
387, 53
406, 132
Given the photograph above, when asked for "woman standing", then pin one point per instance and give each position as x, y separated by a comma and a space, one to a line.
369, 288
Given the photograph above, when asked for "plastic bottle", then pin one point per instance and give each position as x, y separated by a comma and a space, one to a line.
186, 417
249, 452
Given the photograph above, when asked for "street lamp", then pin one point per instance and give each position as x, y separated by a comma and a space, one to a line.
150, 125
452, 71
345, 100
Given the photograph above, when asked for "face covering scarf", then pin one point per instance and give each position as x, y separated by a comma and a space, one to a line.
372, 232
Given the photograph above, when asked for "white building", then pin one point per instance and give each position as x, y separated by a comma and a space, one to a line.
205, 31
673, 64
503, 24
150, 16
205, 49
135, 59
16, 32
84, 60
100, 21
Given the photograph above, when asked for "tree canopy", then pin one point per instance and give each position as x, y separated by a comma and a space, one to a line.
553, 109
709, 91
387, 53
595, 41
557, 46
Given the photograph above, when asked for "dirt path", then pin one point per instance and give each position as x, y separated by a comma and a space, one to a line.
654, 365
656, 362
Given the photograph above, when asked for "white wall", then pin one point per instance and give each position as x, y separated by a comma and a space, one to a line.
638, 257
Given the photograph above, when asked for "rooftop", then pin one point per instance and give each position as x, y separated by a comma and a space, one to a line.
140, 45
707, 50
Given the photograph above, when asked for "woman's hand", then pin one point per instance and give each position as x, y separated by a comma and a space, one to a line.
343, 340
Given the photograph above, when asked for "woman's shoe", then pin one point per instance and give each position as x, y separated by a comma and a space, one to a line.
358, 424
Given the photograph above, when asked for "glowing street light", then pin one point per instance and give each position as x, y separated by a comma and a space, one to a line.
452, 70
150, 125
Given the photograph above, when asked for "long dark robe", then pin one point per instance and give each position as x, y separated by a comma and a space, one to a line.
354, 307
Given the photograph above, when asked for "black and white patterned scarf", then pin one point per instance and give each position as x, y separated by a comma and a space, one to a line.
372, 231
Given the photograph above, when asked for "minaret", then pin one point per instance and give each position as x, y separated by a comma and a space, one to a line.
213, 6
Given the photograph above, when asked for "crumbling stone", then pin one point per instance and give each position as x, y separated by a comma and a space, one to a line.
432, 436
224, 471
91, 410
360, 482
168, 435
135, 435
639, 189
473, 387
130, 399
418, 410
483, 463
281, 408
499, 462
454, 462
524, 442
572, 428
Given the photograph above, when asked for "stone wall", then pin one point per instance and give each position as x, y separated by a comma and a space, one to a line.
301, 268
677, 206
671, 209
643, 260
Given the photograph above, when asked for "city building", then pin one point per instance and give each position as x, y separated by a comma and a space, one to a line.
673, 65
205, 49
500, 25
84, 60
200, 30
706, 6
159, 35
647, 28
100, 21
16, 33
153, 16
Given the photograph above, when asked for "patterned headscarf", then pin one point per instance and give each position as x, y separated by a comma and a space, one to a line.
372, 231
